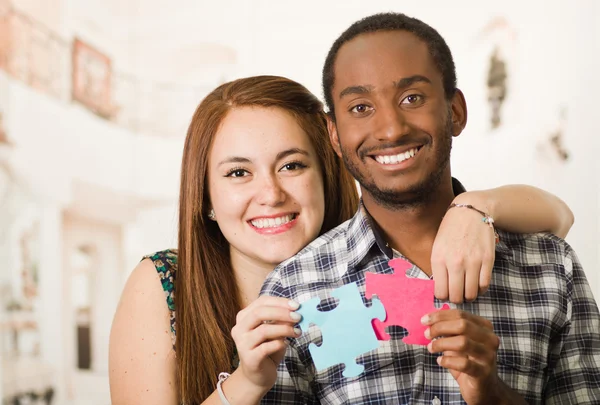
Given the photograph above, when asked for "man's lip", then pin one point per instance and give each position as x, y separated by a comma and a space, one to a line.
394, 151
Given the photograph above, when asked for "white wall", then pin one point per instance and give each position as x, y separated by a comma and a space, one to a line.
61, 145
62, 155
554, 63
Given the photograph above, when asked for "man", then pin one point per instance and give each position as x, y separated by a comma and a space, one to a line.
534, 337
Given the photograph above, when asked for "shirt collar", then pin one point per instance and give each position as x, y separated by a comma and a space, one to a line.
364, 233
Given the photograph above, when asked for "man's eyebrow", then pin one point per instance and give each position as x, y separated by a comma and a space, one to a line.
360, 90
400, 84
409, 81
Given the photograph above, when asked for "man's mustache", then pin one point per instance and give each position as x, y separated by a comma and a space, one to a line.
405, 141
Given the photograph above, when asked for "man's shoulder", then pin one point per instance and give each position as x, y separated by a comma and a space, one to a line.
534, 249
321, 259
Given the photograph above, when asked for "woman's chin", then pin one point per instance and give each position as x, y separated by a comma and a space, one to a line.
276, 258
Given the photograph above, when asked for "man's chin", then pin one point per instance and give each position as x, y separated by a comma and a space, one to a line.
400, 195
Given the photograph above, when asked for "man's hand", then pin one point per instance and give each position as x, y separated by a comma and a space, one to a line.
469, 347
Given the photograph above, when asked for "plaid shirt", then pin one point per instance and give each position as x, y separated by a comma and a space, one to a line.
539, 302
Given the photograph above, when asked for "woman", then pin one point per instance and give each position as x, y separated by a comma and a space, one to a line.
259, 182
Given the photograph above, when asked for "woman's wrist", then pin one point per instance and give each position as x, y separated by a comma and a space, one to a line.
480, 199
240, 391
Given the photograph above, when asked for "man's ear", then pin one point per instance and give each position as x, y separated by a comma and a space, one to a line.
333, 135
459, 112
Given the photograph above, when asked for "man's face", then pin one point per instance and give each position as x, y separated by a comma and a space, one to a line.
394, 125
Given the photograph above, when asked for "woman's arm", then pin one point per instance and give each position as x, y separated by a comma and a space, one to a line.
463, 253
522, 209
141, 356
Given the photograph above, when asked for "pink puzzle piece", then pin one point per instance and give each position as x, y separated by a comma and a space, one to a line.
405, 299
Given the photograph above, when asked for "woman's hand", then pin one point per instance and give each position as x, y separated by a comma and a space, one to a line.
260, 335
463, 256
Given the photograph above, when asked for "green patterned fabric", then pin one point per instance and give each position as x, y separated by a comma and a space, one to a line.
166, 265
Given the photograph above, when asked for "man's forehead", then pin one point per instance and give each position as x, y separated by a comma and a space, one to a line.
381, 43
382, 59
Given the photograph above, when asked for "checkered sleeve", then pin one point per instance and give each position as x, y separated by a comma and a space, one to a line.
293, 388
575, 378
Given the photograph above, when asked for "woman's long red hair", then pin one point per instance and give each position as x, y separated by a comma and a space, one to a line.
204, 346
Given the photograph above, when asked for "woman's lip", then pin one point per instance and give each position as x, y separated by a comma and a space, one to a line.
279, 215
275, 229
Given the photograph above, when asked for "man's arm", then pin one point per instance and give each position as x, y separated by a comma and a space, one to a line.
574, 378
469, 347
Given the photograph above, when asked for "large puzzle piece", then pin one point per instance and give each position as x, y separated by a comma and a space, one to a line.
346, 330
405, 299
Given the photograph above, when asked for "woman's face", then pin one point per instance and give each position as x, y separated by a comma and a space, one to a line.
265, 185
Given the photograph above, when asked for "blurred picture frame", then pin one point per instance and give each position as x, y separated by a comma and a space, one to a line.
91, 78
4, 35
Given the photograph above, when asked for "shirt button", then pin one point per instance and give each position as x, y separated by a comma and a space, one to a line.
436, 401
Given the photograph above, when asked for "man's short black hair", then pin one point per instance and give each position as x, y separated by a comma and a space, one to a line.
438, 48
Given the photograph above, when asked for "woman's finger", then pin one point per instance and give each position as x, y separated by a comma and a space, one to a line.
440, 275
472, 274
485, 274
268, 314
456, 281
265, 333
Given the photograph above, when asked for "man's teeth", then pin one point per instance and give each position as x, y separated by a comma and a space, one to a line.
393, 159
272, 222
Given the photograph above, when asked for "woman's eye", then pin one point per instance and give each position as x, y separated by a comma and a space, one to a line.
237, 173
293, 166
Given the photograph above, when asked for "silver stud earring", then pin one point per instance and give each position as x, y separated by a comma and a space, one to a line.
211, 214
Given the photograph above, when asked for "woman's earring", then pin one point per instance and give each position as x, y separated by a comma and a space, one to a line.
211, 214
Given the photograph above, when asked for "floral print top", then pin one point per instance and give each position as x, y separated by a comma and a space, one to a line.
166, 265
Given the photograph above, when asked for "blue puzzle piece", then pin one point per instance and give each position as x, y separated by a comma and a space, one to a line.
347, 330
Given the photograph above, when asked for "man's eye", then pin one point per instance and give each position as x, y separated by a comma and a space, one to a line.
360, 109
412, 99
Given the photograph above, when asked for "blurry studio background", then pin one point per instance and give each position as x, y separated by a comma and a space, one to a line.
96, 95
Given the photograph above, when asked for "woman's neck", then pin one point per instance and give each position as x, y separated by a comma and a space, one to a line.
249, 276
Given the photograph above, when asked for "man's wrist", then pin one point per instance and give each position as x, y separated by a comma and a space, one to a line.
504, 395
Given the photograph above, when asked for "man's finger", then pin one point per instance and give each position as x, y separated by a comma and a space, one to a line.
462, 345
455, 314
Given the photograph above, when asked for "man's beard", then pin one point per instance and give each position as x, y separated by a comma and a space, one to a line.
418, 195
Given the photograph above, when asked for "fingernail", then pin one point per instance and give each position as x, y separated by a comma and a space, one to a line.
297, 331
439, 360
295, 316
425, 320
293, 304
428, 333
430, 347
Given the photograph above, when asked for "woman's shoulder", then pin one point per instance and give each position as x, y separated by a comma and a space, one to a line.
165, 262
164, 258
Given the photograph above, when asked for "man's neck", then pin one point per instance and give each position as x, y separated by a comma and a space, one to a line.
411, 229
